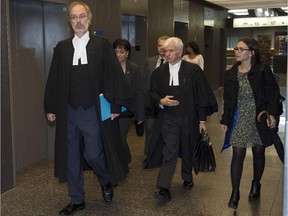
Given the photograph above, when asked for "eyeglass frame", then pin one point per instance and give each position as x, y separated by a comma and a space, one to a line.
74, 18
240, 49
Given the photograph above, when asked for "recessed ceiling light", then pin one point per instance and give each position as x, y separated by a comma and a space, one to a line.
260, 10
239, 12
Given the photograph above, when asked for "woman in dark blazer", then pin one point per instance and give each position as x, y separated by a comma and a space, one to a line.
249, 89
132, 73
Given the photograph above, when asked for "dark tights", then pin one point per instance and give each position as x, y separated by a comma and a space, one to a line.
237, 164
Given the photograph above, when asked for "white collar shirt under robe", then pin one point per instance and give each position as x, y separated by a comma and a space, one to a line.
80, 48
174, 70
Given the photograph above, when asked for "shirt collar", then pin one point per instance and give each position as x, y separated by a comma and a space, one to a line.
177, 65
85, 37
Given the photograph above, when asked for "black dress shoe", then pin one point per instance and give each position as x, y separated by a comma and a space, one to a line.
234, 199
72, 208
107, 192
144, 163
188, 184
163, 194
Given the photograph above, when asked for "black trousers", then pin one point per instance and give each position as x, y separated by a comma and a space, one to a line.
149, 127
175, 133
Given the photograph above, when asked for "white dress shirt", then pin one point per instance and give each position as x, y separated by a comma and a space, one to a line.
159, 61
80, 48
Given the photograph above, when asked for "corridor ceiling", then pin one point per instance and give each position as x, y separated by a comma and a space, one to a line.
249, 4
139, 7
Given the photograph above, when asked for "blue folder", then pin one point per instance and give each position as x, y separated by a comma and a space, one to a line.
106, 108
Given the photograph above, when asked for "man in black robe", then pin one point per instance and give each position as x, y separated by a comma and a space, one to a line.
186, 99
82, 68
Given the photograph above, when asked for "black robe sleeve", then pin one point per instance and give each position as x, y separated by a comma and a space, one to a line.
50, 99
205, 98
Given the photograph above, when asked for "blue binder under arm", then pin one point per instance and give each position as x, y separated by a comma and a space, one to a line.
106, 108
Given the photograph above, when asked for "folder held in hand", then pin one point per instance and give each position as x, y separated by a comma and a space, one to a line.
106, 108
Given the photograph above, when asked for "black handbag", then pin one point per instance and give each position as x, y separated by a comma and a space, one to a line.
204, 155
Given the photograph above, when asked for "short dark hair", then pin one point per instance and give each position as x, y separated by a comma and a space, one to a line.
122, 44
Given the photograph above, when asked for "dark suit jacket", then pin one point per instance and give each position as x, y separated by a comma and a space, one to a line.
106, 76
147, 73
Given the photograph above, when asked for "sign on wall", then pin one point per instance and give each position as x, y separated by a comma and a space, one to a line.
260, 22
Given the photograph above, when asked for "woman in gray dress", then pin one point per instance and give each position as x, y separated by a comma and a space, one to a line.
249, 89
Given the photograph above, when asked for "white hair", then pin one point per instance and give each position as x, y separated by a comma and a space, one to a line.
175, 41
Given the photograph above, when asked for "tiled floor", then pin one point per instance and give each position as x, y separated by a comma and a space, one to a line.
39, 193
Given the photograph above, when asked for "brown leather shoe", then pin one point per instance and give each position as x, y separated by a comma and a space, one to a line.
72, 208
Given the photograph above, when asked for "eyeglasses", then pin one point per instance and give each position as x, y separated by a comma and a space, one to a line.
239, 49
81, 17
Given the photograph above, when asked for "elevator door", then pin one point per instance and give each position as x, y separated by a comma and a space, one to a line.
56, 28
31, 50
134, 29
181, 31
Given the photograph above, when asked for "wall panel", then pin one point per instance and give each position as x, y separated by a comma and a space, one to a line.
160, 22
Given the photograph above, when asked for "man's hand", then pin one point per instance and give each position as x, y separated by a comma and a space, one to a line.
167, 101
202, 126
114, 115
51, 117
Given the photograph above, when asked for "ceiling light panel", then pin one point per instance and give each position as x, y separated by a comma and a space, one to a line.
249, 4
